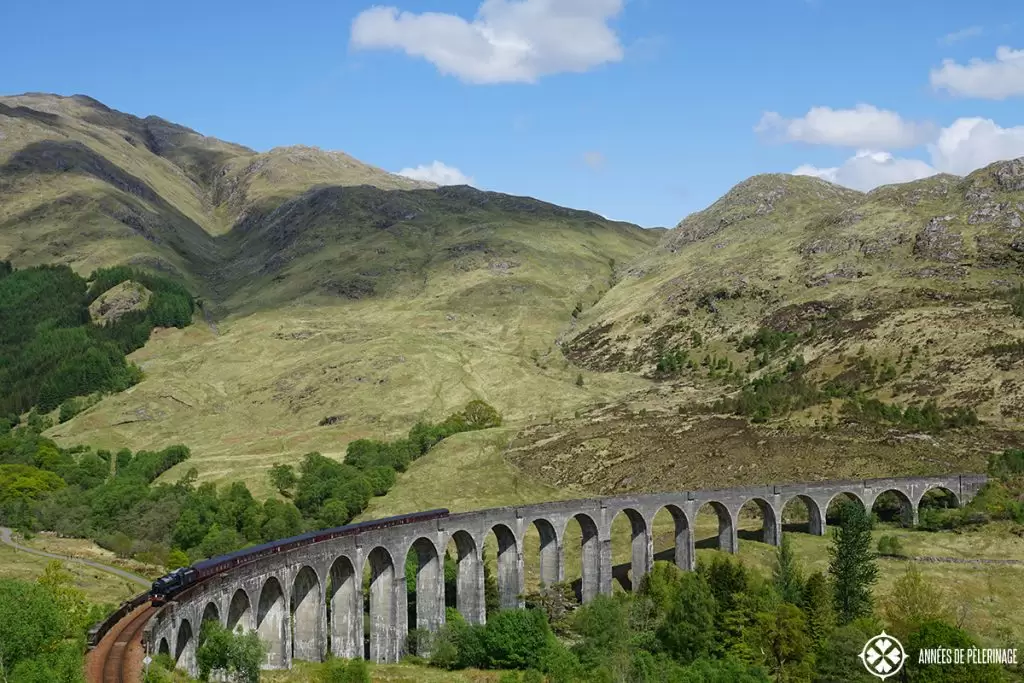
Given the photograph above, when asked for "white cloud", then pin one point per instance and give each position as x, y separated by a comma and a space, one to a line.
437, 173
961, 148
962, 34
594, 159
971, 143
995, 80
864, 126
869, 169
508, 40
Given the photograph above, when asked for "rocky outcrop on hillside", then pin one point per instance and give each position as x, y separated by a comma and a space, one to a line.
1010, 175
938, 243
118, 301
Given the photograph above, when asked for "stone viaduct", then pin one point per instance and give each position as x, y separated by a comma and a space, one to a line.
309, 601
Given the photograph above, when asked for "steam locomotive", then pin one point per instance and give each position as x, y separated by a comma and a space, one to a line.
169, 585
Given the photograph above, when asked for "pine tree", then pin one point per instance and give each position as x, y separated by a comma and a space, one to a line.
852, 566
817, 605
787, 575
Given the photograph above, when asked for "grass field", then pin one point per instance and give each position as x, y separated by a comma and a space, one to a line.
254, 395
100, 587
463, 473
987, 598
88, 550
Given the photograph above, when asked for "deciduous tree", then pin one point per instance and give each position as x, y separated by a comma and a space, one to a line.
283, 478
236, 654
912, 601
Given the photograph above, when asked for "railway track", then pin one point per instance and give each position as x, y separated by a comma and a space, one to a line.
121, 654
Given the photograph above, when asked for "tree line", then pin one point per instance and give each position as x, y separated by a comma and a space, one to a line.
51, 352
114, 499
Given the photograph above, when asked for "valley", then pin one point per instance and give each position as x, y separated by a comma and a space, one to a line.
335, 292
794, 330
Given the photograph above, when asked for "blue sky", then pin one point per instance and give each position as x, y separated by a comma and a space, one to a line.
641, 110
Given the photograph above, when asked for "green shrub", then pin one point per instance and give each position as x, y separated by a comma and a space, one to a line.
68, 409
768, 342
890, 545
926, 417
343, 671
772, 395
939, 634
1007, 464
418, 640
515, 638
672, 362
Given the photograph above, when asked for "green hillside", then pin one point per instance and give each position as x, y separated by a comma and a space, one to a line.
334, 291
790, 318
170, 301
799, 329
85, 185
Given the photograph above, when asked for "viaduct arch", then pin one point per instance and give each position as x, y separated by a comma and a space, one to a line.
308, 601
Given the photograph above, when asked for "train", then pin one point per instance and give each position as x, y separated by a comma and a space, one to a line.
169, 585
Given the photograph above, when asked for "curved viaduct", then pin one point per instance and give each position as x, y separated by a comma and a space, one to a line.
308, 601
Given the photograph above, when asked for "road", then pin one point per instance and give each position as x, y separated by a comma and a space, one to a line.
5, 537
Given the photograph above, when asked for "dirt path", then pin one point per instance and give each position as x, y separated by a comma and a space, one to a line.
5, 537
966, 560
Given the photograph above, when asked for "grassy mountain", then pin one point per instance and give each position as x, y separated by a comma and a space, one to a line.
790, 319
335, 292
793, 330
786, 325
86, 185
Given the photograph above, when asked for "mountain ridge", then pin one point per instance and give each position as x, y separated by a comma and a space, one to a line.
347, 310
161, 195
330, 289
